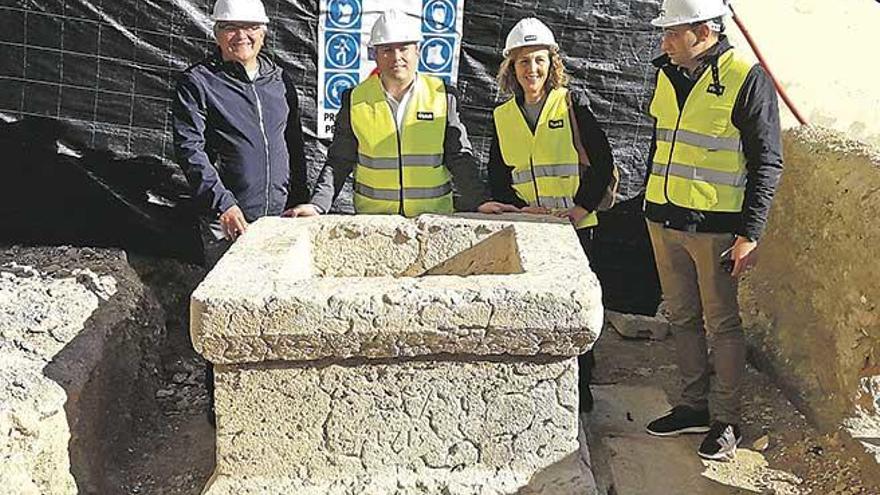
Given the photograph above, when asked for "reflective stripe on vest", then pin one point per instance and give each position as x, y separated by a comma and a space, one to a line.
401, 172
408, 193
544, 164
699, 163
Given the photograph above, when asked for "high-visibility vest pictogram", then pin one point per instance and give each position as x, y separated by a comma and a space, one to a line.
699, 163
401, 172
545, 170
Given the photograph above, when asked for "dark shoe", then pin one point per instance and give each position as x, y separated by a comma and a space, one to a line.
682, 419
721, 442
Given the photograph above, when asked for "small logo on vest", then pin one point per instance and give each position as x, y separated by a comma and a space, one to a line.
425, 115
530, 37
716, 89
556, 124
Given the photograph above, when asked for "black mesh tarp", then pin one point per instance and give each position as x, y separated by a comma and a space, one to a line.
97, 76
106, 67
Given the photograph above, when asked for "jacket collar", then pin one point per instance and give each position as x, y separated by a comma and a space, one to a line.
707, 58
237, 71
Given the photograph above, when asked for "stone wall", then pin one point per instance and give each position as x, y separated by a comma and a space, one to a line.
812, 305
77, 332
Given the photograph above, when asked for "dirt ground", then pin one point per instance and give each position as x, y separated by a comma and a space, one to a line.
826, 462
176, 457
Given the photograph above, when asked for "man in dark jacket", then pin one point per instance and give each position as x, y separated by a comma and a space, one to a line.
715, 162
237, 130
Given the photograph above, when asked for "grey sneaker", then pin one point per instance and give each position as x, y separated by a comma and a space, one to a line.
682, 419
721, 442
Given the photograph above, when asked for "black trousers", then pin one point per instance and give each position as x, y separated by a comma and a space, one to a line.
586, 361
214, 247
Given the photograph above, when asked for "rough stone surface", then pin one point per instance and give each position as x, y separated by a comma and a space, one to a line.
344, 428
864, 423
638, 326
812, 304
316, 288
378, 354
72, 323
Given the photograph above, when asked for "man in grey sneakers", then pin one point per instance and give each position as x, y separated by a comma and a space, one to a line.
715, 162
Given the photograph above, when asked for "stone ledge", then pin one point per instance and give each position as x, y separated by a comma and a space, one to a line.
305, 289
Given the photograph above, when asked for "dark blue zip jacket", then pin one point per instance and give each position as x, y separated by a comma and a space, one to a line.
237, 141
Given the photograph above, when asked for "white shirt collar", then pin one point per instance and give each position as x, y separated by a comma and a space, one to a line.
398, 108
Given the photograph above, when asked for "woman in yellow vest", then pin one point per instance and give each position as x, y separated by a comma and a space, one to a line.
533, 162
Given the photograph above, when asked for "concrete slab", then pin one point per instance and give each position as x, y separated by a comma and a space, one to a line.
628, 461
643, 465
624, 409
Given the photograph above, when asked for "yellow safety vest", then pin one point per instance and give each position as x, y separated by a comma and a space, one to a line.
401, 172
699, 163
545, 170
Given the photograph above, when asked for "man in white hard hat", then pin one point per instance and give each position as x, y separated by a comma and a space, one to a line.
401, 134
237, 129
716, 159
237, 133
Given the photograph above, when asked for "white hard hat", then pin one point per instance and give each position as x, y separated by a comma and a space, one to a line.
395, 26
240, 10
529, 32
677, 12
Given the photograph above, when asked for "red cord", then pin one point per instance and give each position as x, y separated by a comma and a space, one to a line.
755, 49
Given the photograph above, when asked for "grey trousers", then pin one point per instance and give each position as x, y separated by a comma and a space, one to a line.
701, 299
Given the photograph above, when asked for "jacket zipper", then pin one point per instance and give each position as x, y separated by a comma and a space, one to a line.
534, 180
265, 142
531, 151
400, 210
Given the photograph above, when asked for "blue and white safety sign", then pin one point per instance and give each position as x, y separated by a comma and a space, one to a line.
336, 83
343, 57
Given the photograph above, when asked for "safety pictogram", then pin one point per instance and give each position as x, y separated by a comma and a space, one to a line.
344, 14
342, 50
336, 84
438, 17
437, 54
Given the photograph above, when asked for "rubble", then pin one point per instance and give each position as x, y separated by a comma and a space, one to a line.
638, 326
